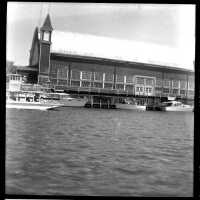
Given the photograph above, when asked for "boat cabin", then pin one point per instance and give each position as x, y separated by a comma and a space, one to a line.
173, 103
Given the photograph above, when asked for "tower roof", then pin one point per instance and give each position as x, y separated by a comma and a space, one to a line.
47, 24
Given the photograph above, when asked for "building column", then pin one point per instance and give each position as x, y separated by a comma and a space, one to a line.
170, 90
124, 83
69, 76
162, 84
187, 87
103, 80
92, 79
114, 86
80, 78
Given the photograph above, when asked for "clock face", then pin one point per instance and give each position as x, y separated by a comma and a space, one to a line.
46, 36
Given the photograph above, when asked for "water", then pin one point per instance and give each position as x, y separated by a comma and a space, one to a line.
79, 151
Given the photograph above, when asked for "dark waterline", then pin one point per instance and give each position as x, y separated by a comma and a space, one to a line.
79, 151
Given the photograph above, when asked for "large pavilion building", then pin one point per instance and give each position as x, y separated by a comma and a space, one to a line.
83, 62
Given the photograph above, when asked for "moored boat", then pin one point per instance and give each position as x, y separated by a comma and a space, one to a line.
41, 100
131, 105
156, 107
30, 100
23, 95
71, 101
32, 106
177, 106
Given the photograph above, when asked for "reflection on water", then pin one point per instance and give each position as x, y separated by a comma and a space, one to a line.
79, 151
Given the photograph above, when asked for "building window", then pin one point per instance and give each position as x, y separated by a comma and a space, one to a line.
191, 85
53, 70
148, 90
166, 90
175, 84
53, 81
109, 77
166, 83
129, 79
108, 85
119, 78
62, 82
46, 36
182, 92
98, 85
62, 73
75, 83
139, 89
53, 75
98, 76
58, 70
86, 75
85, 84
149, 81
75, 75
120, 86
183, 84
190, 92
129, 88
175, 91
53, 67
140, 80
158, 82
43, 79
158, 89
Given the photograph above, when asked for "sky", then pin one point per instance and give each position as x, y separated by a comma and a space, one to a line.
166, 25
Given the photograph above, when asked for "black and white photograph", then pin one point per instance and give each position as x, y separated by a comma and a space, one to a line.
100, 99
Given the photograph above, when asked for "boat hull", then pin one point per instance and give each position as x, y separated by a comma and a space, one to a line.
31, 106
46, 105
183, 109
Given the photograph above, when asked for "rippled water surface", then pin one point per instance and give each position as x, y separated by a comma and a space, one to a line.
79, 151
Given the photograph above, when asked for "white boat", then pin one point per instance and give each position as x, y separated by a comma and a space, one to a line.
177, 106
41, 101
130, 105
69, 101
30, 100
23, 95
32, 105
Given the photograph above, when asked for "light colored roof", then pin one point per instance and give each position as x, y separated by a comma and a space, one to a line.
105, 47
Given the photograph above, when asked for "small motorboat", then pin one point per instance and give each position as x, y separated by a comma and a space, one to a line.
177, 106
130, 105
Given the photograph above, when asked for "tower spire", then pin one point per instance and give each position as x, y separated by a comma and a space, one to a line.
47, 24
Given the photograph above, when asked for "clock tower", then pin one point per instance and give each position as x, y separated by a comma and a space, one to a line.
44, 56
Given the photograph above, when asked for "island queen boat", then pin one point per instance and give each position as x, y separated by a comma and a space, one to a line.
35, 97
177, 106
30, 100
41, 100
130, 105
